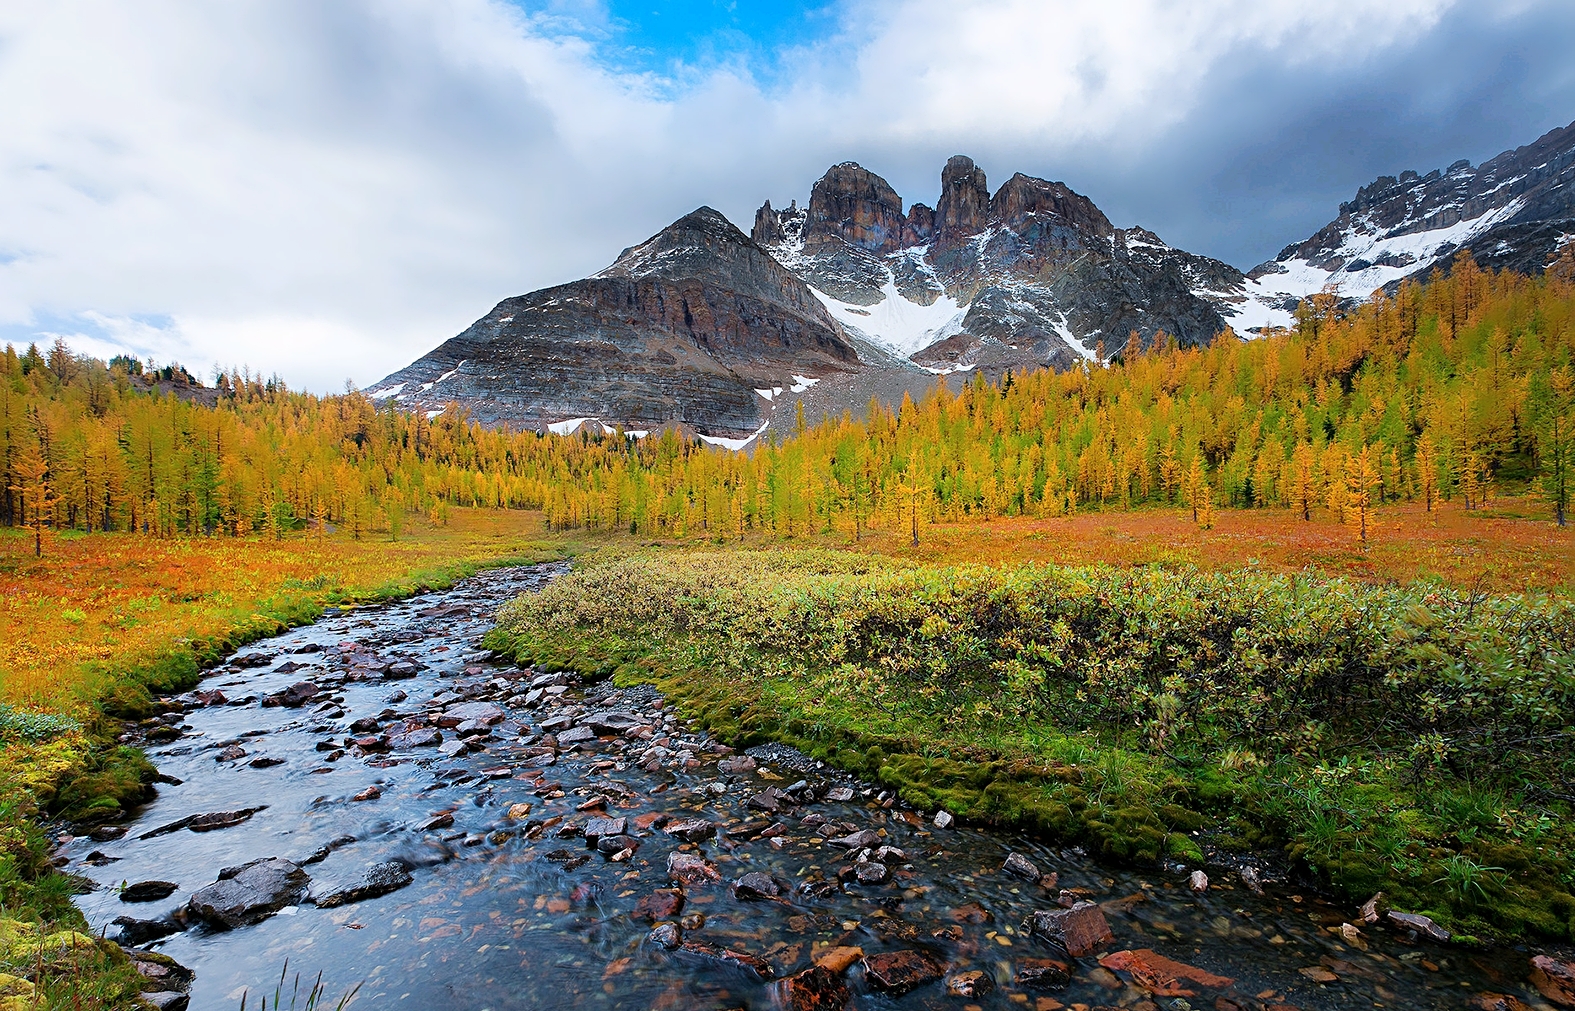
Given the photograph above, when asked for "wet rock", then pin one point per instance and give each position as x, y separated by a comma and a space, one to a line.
1162, 976
365, 725
135, 931
971, 912
736, 766
378, 879
99, 858
1554, 979
598, 827
1198, 882
422, 737
148, 891
370, 793
371, 742
712, 955
1079, 931
107, 833
688, 869
162, 973
1020, 866
401, 670
233, 753
296, 695
691, 829
250, 893
897, 972
252, 660
612, 845
662, 904
1370, 912
943, 819
665, 935
840, 794
857, 840
265, 763
871, 872
972, 983
489, 713
1043, 973
1499, 1002
815, 989
770, 800
166, 1000
756, 885
453, 749
210, 698
1417, 923
1254, 881
576, 735
474, 728
205, 822
396, 698
612, 721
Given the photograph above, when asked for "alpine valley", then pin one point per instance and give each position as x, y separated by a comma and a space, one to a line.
855, 296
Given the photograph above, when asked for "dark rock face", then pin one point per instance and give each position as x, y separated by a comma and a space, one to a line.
682, 329
378, 879
964, 206
852, 204
1510, 213
250, 893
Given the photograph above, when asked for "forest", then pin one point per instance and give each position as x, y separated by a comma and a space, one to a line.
1453, 389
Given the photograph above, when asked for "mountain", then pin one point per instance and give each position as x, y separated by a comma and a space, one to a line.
682, 329
1034, 275
1513, 212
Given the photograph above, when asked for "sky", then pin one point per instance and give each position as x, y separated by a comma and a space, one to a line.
327, 189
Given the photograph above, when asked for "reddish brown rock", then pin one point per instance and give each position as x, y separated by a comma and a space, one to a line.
1043, 973
700, 951
815, 989
662, 904
688, 869
1554, 979
897, 972
852, 204
1499, 1002
972, 983
691, 830
1079, 931
1162, 976
965, 201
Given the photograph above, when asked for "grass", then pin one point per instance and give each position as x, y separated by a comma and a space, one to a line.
92, 630
1411, 740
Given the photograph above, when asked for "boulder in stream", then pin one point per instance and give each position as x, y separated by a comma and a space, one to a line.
897, 972
378, 879
148, 891
1080, 930
250, 893
688, 869
1554, 979
817, 988
1020, 866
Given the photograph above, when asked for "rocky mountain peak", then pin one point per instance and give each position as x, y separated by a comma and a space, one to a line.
854, 205
964, 203
1023, 195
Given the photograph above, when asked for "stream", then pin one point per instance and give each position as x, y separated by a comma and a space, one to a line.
373, 797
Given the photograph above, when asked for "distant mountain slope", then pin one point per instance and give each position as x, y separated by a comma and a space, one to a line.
1512, 212
683, 329
1033, 276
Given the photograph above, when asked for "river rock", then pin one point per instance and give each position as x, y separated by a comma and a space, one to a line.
401, 670
817, 988
1020, 866
736, 765
943, 819
598, 827
297, 694
453, 749
231, 754
1079, 931
423, 737
691, 829
250, 893
665, 935
489, 713
135, 931
662, 904
871, 872
756, 885
1043, 973
1554, 979
897, 972
148, 891
1198, 882
688, 869
163, 974
1162, 976
365, 725
165, 1000
612, 721
1419, 924
710, 954
378, 879
857, 840
576, 735
205, 822
972, 983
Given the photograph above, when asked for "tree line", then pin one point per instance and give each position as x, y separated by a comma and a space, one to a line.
1450, 389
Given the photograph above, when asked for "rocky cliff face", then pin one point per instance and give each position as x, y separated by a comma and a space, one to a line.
682, 329
1512, 212
1035, 275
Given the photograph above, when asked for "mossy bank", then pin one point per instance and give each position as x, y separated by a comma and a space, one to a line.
1414, 741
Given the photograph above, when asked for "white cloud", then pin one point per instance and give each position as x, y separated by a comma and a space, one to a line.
328, 190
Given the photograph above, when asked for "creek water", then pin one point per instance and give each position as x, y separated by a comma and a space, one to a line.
509, 908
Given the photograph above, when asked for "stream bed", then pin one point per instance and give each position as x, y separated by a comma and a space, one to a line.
374, 798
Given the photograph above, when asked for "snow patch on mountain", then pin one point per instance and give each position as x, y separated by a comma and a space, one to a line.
900, 324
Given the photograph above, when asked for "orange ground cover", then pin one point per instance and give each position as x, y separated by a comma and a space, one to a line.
119, 598
1509, 547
